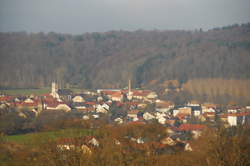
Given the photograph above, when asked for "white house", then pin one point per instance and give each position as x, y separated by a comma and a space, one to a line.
197, 112
103, 108
78, 99
148, 116
162, 120
118, 120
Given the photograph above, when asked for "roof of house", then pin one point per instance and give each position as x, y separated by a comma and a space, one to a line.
181, 116
136, 123
117, 94
239, 114
24, 104
6, 98
142, 93
190, 127
110, 92
133, 112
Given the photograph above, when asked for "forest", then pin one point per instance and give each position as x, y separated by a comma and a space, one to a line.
109, 59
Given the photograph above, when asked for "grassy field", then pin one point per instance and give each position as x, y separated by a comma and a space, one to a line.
25, 91
29, 139
30, 91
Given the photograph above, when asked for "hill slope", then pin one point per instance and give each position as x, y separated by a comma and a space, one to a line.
109, 59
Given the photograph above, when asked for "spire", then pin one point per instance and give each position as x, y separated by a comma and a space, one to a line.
130, 93
129, 86
54, 89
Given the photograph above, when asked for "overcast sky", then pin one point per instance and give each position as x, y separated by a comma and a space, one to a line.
80, 16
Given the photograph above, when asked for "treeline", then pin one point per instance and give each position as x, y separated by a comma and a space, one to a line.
109, 59
219, 91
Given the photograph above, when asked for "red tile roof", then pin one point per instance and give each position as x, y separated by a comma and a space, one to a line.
181, 116
110, 92
136, 123
6, 98
23, 104
190, 127
133, 112
142, 93
117, 94
235, 114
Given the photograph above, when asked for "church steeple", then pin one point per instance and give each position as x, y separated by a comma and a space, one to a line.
130, 93
54, 90
129, 86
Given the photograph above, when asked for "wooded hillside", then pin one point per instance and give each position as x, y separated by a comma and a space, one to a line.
108, 59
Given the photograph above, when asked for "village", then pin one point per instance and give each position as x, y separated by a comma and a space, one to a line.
133, 107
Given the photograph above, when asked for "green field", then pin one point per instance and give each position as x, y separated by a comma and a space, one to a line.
34, 91
25, 91
34, 138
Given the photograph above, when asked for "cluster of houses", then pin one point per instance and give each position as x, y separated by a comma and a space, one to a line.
140, 105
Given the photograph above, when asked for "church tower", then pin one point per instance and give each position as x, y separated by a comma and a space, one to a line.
130, 93
54, 90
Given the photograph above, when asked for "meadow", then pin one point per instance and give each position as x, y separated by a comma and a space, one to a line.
28, 91
34, 138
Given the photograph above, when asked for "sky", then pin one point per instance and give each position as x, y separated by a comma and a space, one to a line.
81, 16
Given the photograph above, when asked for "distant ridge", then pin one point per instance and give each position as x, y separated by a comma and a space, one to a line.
107, 60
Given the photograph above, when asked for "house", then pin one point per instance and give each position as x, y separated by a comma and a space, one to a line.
193, 104
117, 96
85, 117
3, 105
163, 106
168, 141
109, 93
208, 107
197, 113
118, 120
175, 112
210, 116
182, 117
223, 117
102, 108
188, 147
5, 99
171, 130
29, 104
65, 94
133, 114
195, 129
57, 106
148, 116
93, 141
28, 100
233, 109
144, 94
100, 99
79, 144
185, 110
96, 116
78, 99
235, 119
79, 106
171, 122
162, 120
63, 107
142, 105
